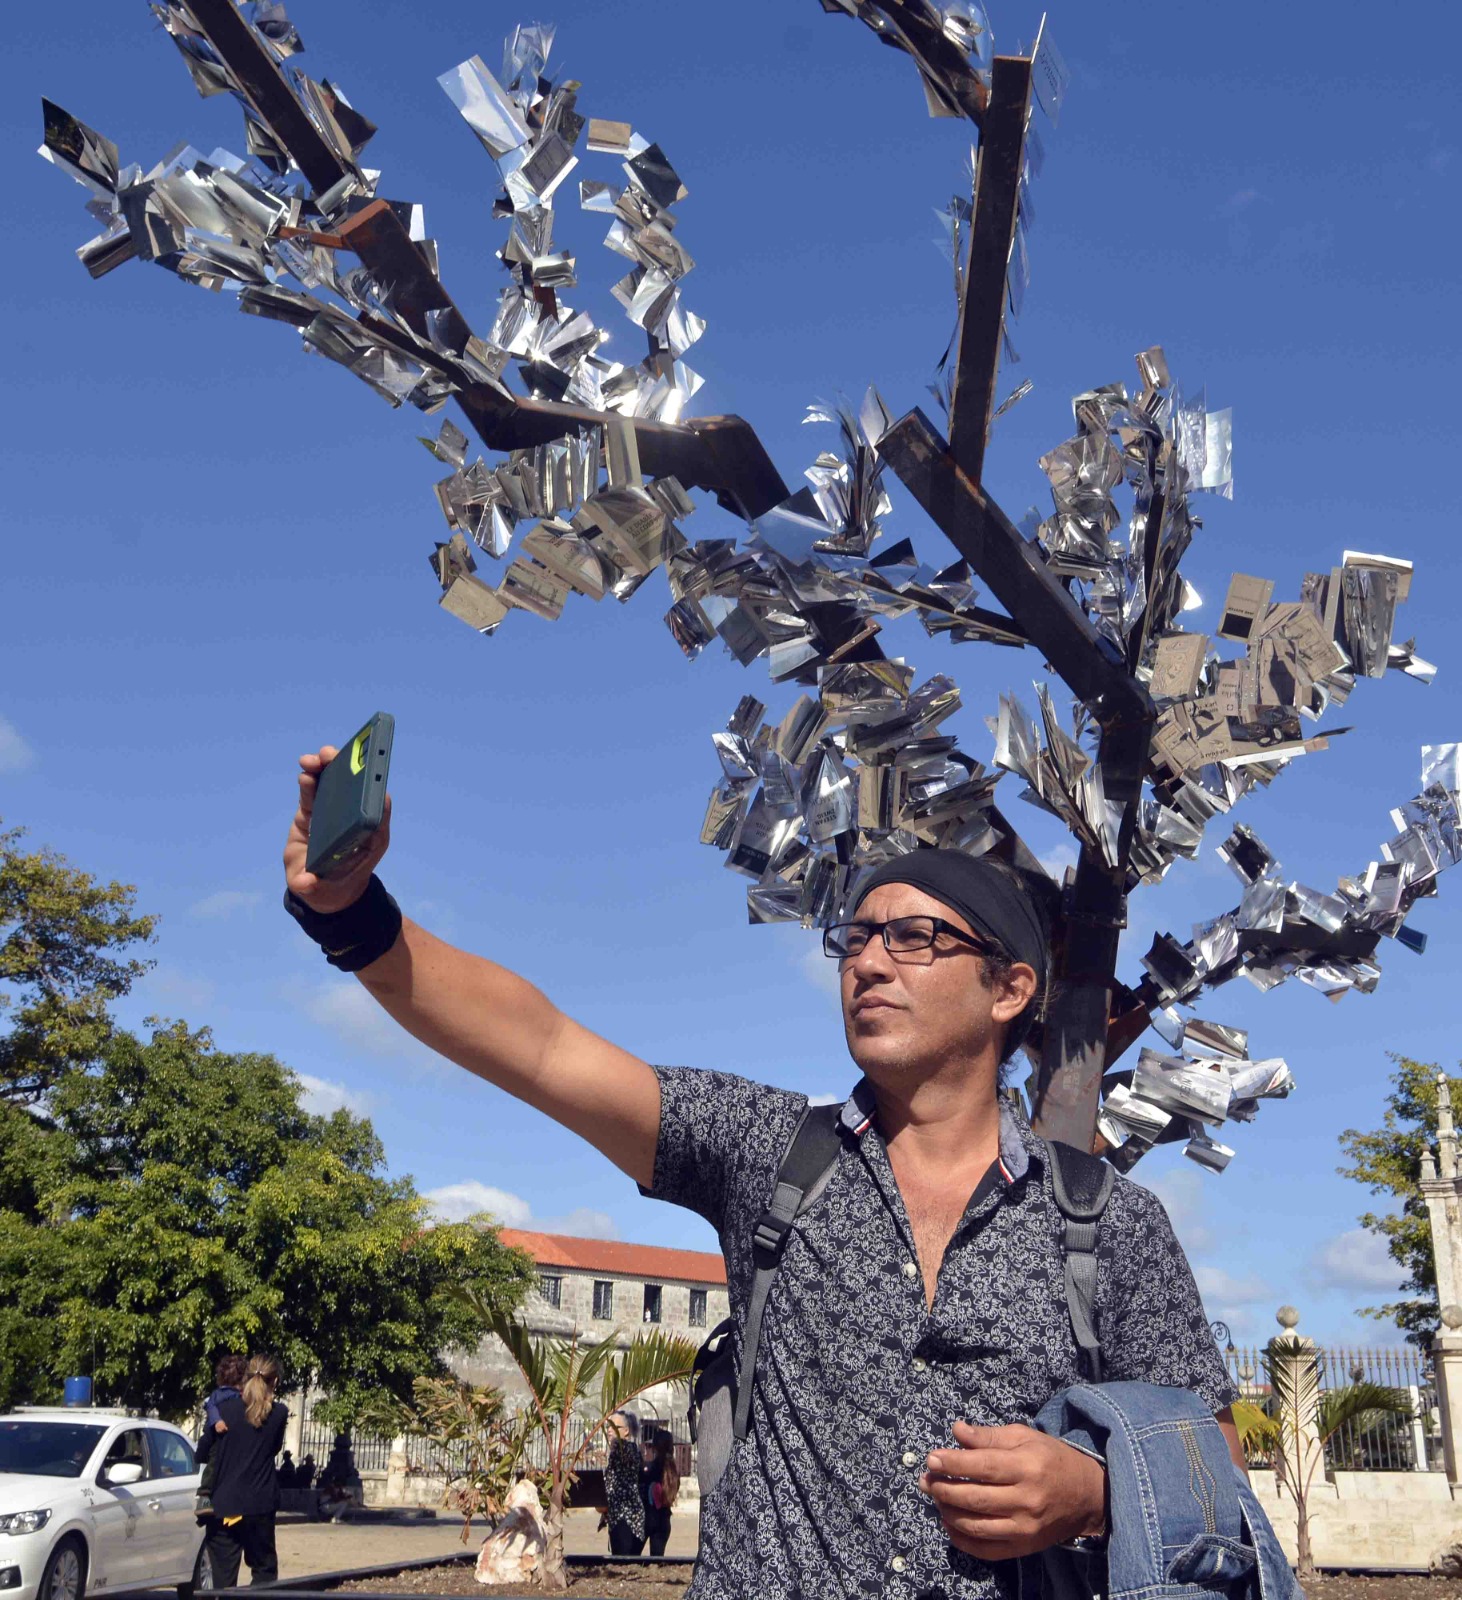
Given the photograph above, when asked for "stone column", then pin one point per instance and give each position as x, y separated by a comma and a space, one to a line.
398, 1473
294, 1428
1447, 1362
1441, 1188
1295, 1352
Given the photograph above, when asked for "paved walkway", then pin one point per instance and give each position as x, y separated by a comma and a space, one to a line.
306, 1547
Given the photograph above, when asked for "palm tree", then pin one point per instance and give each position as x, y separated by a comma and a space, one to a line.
1298, 1448
560, 1375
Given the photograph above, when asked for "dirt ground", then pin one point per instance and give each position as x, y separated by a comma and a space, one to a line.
309, 1547
610, 1581
670, 1582
1397, 1586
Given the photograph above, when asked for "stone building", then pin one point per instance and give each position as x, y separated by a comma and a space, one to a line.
593, 1286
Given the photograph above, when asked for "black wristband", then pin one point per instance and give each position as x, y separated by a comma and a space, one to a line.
353, 938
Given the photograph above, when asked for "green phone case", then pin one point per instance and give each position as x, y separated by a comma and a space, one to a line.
351, 798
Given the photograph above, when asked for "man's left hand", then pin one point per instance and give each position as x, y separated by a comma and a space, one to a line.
1012, 1491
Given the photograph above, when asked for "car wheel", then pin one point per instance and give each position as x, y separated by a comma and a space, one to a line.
65, 1575
202, 1576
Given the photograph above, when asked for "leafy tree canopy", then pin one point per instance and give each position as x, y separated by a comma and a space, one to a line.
60, 936
1388, 1161
163, 1201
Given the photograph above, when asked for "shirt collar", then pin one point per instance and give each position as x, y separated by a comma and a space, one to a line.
1018, 1144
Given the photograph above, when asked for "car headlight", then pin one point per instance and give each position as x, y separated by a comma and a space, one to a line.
23, 1521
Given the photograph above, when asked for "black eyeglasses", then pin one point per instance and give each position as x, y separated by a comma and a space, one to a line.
847, 939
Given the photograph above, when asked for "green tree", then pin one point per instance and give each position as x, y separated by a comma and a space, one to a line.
472, 1441
184, 1203
560, 1375
1388, 1161
60, 934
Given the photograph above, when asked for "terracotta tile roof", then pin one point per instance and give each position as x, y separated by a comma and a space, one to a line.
651, 1261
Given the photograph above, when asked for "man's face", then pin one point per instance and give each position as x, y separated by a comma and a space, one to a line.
914, 1011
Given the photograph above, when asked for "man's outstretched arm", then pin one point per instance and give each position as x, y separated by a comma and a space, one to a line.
486, 1018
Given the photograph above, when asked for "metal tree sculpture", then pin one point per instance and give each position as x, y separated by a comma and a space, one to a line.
599, 459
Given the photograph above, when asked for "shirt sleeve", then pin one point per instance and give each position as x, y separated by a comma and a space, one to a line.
1151, 1320
717, 1131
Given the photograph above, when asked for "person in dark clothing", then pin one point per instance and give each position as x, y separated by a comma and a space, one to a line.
304, 1473
245, 1487
228, 1374
626, 1513
661, 1484
288, 1472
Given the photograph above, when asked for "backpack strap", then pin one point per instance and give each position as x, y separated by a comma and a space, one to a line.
1082, 1185
807, 1165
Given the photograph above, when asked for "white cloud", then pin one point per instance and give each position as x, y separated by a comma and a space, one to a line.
821, 973
358, 1023
1224, 1292
826, 1099
454, 1202
171, 988
225, 902
1057, 860
1355, 1259
1240, 200
1181, 1190
15, 754
324, 1096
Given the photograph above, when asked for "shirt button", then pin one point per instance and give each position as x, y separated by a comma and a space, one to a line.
911, 1458
918, 1363
911, 1269
898, 1563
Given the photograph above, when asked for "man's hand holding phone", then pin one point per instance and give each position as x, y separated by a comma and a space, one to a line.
346, 886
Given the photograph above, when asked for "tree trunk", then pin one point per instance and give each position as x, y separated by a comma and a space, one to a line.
555, 1571
1304, 1557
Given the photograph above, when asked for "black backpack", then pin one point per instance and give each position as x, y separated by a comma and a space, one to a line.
720, 1407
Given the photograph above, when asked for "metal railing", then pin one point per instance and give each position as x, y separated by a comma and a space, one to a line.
1394, 1443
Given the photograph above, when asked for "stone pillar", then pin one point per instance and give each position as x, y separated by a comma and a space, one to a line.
1294, 1353
398, 1473
1447, 1362
1441, 1188
294, 1428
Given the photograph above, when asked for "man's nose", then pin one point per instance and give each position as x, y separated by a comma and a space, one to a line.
873, 960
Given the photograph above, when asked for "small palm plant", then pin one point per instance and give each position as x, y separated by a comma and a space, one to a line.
561, 1375
1303, 1420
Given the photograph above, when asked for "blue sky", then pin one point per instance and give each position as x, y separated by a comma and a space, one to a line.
218, 546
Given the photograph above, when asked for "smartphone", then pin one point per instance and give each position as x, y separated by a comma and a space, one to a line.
350, 799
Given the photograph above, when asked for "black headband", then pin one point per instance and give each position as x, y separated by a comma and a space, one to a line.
993, 901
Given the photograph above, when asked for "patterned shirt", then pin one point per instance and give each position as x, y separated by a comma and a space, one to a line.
622, 1487
857, 1379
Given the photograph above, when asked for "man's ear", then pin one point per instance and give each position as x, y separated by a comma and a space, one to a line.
1016, 990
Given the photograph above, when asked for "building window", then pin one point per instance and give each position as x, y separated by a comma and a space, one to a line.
652, 1302
697, 1308
604, 1299
550, 1287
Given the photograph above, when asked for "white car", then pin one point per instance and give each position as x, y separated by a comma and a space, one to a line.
95, 1501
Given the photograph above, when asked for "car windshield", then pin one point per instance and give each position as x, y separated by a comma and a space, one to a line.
47, 1449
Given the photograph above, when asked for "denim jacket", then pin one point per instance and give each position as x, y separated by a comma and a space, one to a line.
1183, 1520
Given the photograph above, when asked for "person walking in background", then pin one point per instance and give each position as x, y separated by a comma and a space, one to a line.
661, 1484
304, 1473
622, 1486
287, 1471
245, 1486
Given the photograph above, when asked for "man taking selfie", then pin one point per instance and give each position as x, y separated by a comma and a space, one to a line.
919, 1320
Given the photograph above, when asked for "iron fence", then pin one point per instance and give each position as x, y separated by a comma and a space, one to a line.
1392, 1443
372, 1452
